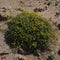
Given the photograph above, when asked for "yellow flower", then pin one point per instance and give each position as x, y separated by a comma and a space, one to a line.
34, 44
34, 28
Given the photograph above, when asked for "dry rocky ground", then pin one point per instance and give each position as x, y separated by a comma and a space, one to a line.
49, 9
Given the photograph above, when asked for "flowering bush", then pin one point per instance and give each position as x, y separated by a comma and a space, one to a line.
29, 31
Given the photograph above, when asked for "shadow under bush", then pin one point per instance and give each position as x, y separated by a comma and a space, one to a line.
30, 32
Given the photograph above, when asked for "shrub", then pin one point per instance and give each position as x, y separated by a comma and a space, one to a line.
29, 31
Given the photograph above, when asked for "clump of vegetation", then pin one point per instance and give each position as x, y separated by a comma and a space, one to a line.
30, 32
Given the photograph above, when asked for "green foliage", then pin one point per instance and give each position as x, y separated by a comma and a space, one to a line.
30, 32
